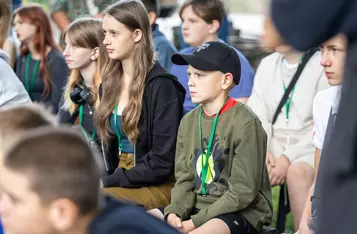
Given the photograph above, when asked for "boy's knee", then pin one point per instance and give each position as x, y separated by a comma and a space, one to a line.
299, 172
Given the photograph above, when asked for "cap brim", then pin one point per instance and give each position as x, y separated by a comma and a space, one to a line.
194, 61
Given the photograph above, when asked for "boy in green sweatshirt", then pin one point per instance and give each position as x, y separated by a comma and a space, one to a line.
222, 184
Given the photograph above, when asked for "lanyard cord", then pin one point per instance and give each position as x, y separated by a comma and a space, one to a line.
81, 125
205, 155
29, 88
120, 146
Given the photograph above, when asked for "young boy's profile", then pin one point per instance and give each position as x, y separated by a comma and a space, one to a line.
50, 182
222, 182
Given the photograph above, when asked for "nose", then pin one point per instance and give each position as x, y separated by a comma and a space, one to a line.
190, 82
184, 26
65, 52
3, 204
106, 40
325, 59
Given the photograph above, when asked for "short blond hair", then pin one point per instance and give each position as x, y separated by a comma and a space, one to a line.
19, 119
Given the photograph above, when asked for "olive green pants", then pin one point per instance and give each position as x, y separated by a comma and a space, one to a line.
148, 197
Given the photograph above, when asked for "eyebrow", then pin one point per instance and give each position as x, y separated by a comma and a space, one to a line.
10, 194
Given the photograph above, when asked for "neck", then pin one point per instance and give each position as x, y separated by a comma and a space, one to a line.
215, 105
128, 71
34, 53
88, 72
81, 226
293, 57
210, 37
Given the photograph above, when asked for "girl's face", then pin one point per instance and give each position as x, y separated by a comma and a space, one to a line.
78, 57
25, 31
119, 40
195, 30
333, 53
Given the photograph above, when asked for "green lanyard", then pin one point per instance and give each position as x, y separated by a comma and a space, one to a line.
34, 73
120, 146
80, 124
207, 154
288, 102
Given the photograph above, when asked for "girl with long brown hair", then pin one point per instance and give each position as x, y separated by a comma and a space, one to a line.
85, 55
140, 110
40, 66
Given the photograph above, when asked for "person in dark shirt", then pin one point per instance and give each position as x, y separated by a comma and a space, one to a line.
85, 55
40, 66
163, 48
50, 181
139, 112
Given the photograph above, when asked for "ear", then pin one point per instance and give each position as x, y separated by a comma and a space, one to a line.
63, 214
227, 81
95, 54
137, 35
214, 27
152, 17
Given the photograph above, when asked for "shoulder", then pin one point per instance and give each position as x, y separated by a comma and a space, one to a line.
240, 116
187, 50
56, 59
326, 97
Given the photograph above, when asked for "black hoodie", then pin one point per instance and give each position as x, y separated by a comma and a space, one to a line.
119, 217
155, 149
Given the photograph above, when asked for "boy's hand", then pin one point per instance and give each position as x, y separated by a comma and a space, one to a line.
175, 222
188, 226
278, 173
270, 161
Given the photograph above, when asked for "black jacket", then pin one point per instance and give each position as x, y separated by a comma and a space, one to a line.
158, 126
118, 217
64, 117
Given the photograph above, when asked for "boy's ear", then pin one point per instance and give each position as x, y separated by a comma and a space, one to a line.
63, 214
152, 17
215, 25
227, 81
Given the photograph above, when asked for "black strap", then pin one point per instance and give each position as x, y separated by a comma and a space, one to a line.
296, 76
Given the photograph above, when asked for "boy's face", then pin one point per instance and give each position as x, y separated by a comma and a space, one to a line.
20, 208
333, 53
205, 86
194, 29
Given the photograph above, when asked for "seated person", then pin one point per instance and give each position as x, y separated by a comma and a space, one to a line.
50, 180
64, 12
222, 183
163, 48
325, 108
290, 156
85, 55
201, 21
17, 120
12, 92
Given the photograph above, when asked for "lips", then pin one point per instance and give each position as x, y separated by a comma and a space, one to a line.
109, 50
329, 74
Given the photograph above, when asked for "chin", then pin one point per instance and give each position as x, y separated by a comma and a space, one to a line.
332, 82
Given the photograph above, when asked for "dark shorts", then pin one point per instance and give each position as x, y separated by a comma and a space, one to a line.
236, 222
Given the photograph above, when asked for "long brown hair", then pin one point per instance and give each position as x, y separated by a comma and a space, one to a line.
36, 16
85, 33
133, 15
5, 19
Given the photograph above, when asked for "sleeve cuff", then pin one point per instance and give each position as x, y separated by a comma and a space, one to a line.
198, 220
178, 210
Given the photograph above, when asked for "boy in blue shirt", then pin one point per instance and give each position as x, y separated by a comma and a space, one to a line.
201, 20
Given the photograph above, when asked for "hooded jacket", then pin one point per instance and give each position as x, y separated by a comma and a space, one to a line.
12, 91
158, 126
119, 217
